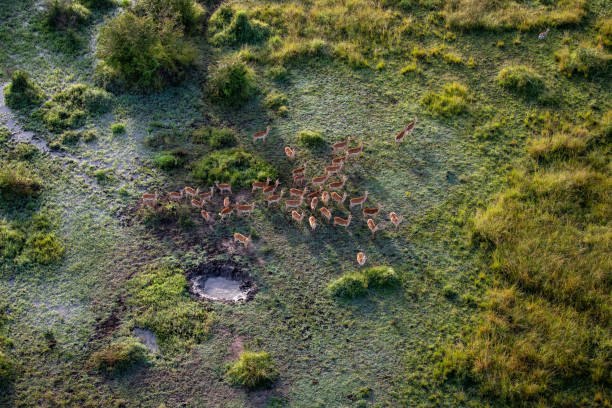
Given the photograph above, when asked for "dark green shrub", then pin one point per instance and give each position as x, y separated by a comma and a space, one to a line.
17, 180
240, 30
449, 292
311, 139
278, 73
452, 101
89, 135
605, 32
69, 109
275, 100
521, 79
216, 138
117, 128
11, 240
381, 277
252, 370
25, 151
70, 137
350, 286
119, 356
63, 14
97, 4
232, 82
22, 92
189, 13
144, 54
166, 161
585, 60
166, 214
233, 166
7, 370
43, 248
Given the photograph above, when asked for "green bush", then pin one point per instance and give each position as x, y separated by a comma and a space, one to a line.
7, 370
275, 100
11, 240
70, 137
69, 109
189, 13
216, 138
521, 79
97, 4
452, 101
22, 92
239, 30
166, 214
63, 14
119, 356
585, 60
17, 180
232, 82
379, 277
117, 128
605, 32
25, 151
356, 284
166, 161
233, 166
252, 370
142, 53
312, 139
43, 248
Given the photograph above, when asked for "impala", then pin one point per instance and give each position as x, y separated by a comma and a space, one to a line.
361, 258
190, 192
299, 170
275, 198
226, 211
208, 195
312, 195
245, 208
271, 189
313, 222
207, 217
289, 152
149, 199
224, 188
238, 237
330, 170
343, 222
338, 185
358, 201
396, 219
373, 227
543, 34
313, 203
293, 203
298, 180
196, 203
337, 198
176, 195
261, 135
341, 145
371, 212
297, 216
319, 181
339, 160
355, 151
260, 185
326, 213
325, 197
226, 202
406, 131
296, 192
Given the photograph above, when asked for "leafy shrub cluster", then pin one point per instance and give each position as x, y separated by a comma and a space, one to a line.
452, 101
22, 92
188, 13
605, 32
275, 101
18, 181
230, 27
216, 138
356, 284
233, 166
312, 139
252, 370
169, 213
232, 82
521, 79
8, 371
167, 161
65, 14
69, 109
30, 242
585, 60
119, 356
164, 306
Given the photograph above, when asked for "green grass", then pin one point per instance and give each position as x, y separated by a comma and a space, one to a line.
252, 370
584, 60
22, 92
311, 139
521, 79
232, 82
356, 284
119, 356
452, 101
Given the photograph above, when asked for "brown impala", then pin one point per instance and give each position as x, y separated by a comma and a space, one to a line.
297, 216
358, 201
296, 192
224, 188
149, 199
245, 209
371, 212
337, 198
290, 153
190, 192
341, 145
225, 212
355, 151
319, 181
271, 189
406, 131
260, 185
275, 198
326, 213
207, 217
395, 219
176, 195
373, 227
313, 222
238, 237
261, 135
208, 195
338, 185
343, 222
361, 258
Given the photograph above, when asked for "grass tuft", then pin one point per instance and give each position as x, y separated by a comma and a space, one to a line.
252, 370
22, 92
232, 82
311, 139
119, 356
521, 79
356, 284
452, 101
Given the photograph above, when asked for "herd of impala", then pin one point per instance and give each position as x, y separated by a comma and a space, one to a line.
297, 196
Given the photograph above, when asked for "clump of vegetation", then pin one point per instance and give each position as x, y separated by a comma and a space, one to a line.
521, 79
7, 370
605, 32
97, 4
232, 82
30, 242
312, 139
216, 138
164, 306
229, 27
165, 214
17, 180
356, 284
452, 101
167, 161
11, 240
252, 370
188, 13
117, 128
349, 52
563, 145
69, 109
275, 100
233, 166
22, 92
43, 248
119, 356
584, 59
24, 151
492, 129
145, 54
65, 14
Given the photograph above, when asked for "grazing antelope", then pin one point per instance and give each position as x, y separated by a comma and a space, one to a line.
325, 197
298, 180
271, 189
395, 219
312, 195
225, 212
207, 217
293, 203
343, 222
208, 195
313, 222
406, 131
373, 227
176, 195
190, 192
238, 237
149, 199
338, 185
337, 198
355, 151
331, 170
371, 212
224, 188
226, 202
245, 208
290, 153
543, 34
196, 203
326, 213
319, 181
297, 216
358, 201
260, 185
341, 145
336, 161
313, 203
361, 258
261, 135
299, 170
275, 198
296, 192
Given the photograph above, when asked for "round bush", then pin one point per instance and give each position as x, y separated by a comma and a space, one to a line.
22, 92
252, 370
349, 286
521, 79
119, 356
189, 13
381, 277
232, 82
64, 14
311, 139
166, 161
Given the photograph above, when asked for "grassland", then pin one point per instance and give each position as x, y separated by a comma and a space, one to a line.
502, 260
